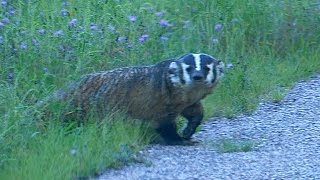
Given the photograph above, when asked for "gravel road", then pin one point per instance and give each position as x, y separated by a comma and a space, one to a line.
287, 137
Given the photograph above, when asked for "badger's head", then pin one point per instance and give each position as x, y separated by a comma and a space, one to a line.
195, 70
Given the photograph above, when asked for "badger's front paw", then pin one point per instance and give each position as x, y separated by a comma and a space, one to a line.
187, 133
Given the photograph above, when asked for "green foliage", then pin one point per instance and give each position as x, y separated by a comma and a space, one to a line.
61, 153
46, 44
230, 145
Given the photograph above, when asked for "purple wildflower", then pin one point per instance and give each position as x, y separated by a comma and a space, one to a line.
121, 39
143, 38
41, 31
11, 10
73, 151
164, 23
186, 24
64, 3
93, 26
101, 31
10, 76
164, 38
161, 13
129, 45
72, 23
58, 33
62, 47
215, 40
218, 27
132, 18
229, 66
5, 20
64, 12
45, 69
35, 41
111, 28
235, 20
23, 45
3, 3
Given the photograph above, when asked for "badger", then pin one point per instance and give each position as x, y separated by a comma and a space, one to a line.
156, 94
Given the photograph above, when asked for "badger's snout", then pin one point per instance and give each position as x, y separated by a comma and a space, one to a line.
198, 76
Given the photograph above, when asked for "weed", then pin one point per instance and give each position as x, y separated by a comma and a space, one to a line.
231, 145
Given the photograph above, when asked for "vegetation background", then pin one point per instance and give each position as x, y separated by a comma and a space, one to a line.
267, 45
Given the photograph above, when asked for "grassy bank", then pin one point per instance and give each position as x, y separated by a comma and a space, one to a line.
267, 45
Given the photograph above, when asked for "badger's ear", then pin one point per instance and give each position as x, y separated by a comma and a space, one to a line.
173, 68
220, 69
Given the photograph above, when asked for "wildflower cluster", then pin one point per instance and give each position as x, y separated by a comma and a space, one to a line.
66, 30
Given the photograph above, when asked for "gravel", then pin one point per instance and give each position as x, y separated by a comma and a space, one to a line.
286, 136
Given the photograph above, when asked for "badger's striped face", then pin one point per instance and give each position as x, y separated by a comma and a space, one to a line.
195, 69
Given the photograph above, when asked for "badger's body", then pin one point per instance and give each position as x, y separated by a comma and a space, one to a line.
156, 93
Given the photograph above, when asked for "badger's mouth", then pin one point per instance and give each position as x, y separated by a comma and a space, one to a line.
199, 82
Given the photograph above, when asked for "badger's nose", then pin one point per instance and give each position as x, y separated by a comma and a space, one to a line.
197, 76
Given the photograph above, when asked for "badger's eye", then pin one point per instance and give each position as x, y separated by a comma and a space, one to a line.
207, 69
189, 69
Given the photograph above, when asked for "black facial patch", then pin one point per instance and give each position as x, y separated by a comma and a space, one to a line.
189, 60
205, 60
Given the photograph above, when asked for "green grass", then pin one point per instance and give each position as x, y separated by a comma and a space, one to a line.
271, 45
59, 153
231, 145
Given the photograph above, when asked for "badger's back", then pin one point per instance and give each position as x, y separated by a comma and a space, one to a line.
141, 91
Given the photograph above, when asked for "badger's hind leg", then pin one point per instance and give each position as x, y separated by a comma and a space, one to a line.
168, 131
194, 115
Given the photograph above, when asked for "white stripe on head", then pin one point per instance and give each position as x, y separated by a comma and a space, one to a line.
186, 75
197, 61
174, 77
210, 75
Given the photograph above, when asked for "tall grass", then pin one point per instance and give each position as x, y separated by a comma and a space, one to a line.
46, 44
82, 152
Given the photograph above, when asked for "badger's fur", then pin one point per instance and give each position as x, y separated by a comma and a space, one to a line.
156, 93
